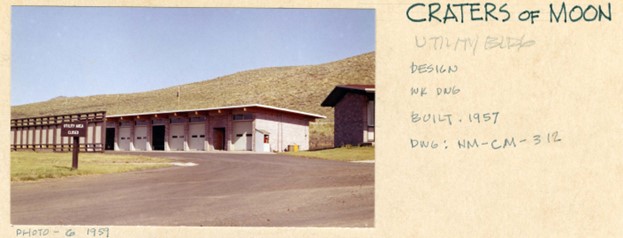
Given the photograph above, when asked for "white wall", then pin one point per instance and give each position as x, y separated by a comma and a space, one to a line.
284, 130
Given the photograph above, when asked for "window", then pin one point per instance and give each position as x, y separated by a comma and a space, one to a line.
370, 113
179, 120
197, 119
126, 123
158, 121
240, 117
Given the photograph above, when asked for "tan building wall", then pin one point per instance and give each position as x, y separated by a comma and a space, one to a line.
239, 126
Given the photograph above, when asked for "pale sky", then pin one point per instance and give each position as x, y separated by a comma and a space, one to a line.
84, 51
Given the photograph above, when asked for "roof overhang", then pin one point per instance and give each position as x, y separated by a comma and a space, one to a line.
312, 115
339, 91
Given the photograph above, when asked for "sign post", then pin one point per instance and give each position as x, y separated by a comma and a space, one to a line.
75, 129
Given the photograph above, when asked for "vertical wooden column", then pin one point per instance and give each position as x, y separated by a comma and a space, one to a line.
54, 137
92, 135
207, 145
186, 134
167, 134
103, 134
229, 131
150, 131
253, 137
40, 142
21, 137
47, 136
15, 138
14, 142
132, 137
117, 134
62, 141
27, 137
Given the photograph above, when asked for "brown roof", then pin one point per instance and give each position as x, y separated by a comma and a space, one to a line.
339, 91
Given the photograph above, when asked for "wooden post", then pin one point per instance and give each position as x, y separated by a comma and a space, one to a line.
40, 136
150, 132
167, 134
74, 154
54, 137
132, 138
14, 145
186, 143
207, 143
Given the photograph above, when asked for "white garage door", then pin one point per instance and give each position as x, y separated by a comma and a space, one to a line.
140, 140
176, 140
197, 136
124, 138
243, 135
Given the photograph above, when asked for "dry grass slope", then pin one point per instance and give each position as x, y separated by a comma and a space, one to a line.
298, 87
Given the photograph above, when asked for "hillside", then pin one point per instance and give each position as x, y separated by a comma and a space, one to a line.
299, 87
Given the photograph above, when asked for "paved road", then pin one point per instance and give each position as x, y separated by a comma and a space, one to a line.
222, 190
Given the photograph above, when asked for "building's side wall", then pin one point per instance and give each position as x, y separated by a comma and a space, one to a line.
350, 120
284, 128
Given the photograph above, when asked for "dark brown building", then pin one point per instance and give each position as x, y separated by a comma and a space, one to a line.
354, 114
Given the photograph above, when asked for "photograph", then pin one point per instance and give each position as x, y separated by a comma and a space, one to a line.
331, 118
192, 116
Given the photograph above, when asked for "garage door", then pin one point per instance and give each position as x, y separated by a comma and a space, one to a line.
140, 140
243, 135
176, 141
197, 136
124, 138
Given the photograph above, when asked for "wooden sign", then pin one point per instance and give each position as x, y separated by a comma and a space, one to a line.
75, 128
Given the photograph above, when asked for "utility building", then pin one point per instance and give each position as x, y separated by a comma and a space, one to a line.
354, 114
252, 127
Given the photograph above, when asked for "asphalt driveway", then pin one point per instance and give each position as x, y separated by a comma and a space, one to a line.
224, 189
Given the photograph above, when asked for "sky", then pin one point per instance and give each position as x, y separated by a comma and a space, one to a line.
85, 51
